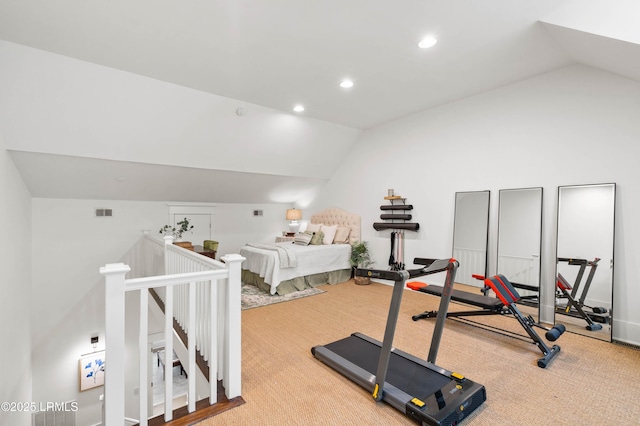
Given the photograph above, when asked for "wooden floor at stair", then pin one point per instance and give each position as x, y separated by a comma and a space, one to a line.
181, 417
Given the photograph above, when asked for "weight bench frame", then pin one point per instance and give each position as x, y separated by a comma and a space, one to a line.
563, 285
504, 304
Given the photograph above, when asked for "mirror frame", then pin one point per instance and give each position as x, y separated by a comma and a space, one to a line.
581, 329
456, 222
528, 289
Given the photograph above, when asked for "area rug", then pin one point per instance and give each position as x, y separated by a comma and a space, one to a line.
253, 297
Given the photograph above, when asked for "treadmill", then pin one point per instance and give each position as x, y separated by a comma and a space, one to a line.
420, 389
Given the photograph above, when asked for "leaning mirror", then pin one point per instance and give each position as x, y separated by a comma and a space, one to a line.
519, 239
584, 270
470, 235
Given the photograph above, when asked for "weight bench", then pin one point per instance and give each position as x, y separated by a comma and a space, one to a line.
505, 303
489, 305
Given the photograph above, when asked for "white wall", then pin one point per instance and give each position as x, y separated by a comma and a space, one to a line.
15, 283
235, 225
69, 246
576, 125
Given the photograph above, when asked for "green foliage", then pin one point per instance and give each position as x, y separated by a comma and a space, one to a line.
360, 257
177, 233
167, 230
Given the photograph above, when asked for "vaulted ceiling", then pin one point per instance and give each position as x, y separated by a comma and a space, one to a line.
279, 53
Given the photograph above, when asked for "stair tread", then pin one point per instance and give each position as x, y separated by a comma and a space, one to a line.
181, 417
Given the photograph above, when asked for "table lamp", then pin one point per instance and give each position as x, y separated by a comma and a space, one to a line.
293, 216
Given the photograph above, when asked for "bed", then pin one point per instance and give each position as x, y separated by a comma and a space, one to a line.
282, 268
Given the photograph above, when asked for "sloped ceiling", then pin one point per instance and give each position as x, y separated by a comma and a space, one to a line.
89, 178
278, 53
607, 53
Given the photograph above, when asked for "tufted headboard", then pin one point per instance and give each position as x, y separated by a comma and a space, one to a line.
336, 216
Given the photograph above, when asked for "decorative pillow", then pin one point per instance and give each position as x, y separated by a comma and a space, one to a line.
303, 238
342, 235
313, 227
329, 233
317, 238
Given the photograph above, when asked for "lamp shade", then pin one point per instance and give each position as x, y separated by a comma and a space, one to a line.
294, 214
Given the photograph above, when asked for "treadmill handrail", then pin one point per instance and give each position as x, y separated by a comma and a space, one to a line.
382, 274
434, 267
573, 260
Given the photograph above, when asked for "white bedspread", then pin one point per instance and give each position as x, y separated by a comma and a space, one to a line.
285, 253
310, 259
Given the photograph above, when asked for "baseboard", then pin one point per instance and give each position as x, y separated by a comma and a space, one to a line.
626, 332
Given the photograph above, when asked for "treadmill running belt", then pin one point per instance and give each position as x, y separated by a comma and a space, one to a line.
402, 373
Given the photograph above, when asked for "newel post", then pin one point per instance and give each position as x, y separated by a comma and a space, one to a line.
168, 332
232, 334
114, 340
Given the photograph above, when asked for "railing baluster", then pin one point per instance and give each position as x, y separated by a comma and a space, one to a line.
168, 354
203, 319
219, 331
192, 348
206, 325
213, 343
198, 309
144, 351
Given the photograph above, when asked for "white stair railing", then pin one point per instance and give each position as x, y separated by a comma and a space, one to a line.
192, 285
472, 261
521, 270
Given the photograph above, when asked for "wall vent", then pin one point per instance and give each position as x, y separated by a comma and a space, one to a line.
104, 212
59, 414
257, 212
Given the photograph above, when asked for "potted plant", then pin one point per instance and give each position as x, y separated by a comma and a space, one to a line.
183, 226
360, 258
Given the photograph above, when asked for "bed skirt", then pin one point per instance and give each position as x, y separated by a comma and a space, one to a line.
297, 284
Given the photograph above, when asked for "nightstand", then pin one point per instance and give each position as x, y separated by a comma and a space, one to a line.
205, 252
285, 239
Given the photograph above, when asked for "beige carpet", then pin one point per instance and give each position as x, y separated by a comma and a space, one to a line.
590, 383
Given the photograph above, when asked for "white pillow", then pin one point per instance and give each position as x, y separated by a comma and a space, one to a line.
329, 233
313, 227
342, 235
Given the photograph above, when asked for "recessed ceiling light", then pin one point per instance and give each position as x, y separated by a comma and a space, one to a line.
298, 108
346, 84
427, 42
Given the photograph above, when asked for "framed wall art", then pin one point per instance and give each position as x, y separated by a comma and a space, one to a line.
92, 370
